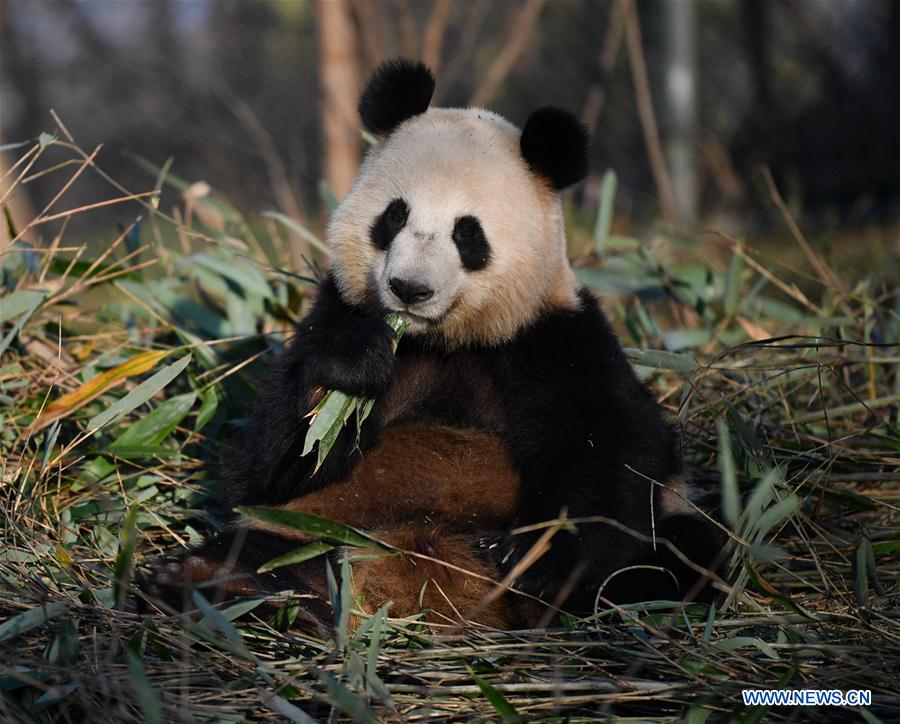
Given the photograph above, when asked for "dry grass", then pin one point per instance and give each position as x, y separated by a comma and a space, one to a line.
790, 419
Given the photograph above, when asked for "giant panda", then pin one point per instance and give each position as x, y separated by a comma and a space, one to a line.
508, 402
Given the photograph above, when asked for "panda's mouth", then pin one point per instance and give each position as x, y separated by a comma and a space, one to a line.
409, 316
422, 320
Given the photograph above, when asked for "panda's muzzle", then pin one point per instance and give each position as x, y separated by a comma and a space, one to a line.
410, 291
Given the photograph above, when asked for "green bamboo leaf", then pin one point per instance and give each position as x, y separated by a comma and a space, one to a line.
31, 619
500, 703
245, 275
774, 515
284, 708
297, 556
314, 241
215, 618
208, 406
313, 525
660, 359
871, 565
351, 704
329, 417
239, 609
140, 394
153, 429
733, 283
17, 327
19, 302
124, 563
739, 642
146, 695
760, 498
609, 280
605, 211
883, 548
731, 497
336, 407
697, 714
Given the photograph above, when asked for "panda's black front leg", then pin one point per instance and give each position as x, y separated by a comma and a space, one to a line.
335, 347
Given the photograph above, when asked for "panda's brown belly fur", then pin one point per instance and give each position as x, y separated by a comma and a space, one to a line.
423, 473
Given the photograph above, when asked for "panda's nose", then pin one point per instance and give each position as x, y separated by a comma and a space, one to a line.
410, 292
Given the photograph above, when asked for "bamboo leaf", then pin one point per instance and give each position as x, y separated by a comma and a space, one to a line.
103, 382
733, 283
31, 619
299, 555
153, 429
883, 548
214, 617
605, 211
140, 394
147, 698
19, 302
124, 563
731, 500
739, 642
329, 417
351, 704
246, 276
500, 703
17, 327
660, 359
284, 708
774, 515
208, 406
314, 241
311, 524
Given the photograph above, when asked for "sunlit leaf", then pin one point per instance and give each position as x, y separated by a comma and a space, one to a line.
140, 394
151, 430
19, 302
605, 211
103, 382
500, 703
307, 552
30, 619
660, 359
731, 500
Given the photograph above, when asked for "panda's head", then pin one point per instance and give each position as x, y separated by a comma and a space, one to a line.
454, 220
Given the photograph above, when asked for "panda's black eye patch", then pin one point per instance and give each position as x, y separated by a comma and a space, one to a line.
389, 224
474, 250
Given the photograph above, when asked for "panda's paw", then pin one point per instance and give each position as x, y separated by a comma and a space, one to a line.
541, 574
356, 357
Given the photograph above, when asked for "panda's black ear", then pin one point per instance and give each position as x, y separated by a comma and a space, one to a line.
398, 89
555, 145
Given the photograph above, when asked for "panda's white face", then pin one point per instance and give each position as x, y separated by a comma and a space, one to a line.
447, 226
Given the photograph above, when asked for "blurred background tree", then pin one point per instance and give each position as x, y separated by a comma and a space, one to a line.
686, 99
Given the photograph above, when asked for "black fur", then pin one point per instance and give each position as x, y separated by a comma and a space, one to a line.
334, 347
398, 90
389, 224
561, 395
555, 145
474, 250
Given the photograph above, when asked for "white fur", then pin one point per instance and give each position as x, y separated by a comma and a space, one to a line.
448, 163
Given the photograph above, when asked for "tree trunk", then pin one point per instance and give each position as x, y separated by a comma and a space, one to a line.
680, 59
339, 83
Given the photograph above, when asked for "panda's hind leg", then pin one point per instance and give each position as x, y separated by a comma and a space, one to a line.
440, 570
662, 574
226, 568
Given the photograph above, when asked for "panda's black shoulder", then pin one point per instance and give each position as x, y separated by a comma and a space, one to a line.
580, 333
577, 355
